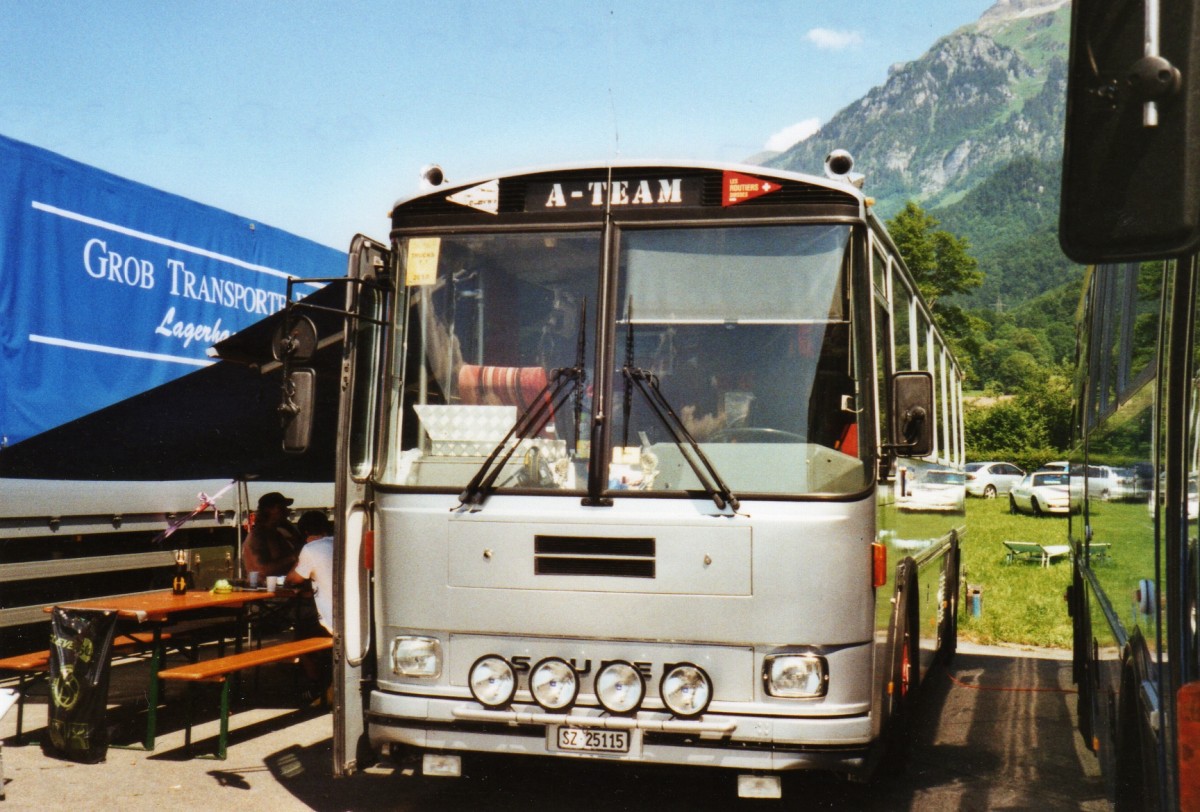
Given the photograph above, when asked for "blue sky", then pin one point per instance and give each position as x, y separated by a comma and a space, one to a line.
314, 117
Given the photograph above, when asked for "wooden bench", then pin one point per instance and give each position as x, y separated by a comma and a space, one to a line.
218, 670
35, 665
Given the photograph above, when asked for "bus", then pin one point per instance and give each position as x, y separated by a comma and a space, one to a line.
1131, 212
655, 463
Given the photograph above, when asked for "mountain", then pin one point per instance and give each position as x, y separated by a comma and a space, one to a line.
1010, 219
978, 99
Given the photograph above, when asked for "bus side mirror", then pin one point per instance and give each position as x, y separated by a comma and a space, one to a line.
296, 409
912, 414
1131, 154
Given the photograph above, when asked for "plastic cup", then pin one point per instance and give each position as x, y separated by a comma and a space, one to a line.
252, 578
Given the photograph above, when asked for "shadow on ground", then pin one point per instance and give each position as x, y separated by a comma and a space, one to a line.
990, 732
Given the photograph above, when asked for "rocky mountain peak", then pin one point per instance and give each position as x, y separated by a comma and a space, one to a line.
1007, 11
940, 124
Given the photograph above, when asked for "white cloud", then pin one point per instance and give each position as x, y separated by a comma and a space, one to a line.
829, 40
792, 135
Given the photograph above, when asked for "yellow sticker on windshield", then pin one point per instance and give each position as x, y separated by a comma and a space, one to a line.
422, 264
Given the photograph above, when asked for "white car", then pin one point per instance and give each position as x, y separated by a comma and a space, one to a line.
936, 489
1041, 492
988, 479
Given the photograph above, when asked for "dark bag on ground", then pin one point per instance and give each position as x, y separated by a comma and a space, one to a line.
80, 661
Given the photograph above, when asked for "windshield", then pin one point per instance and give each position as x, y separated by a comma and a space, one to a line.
488, 321
746, 334
742, 333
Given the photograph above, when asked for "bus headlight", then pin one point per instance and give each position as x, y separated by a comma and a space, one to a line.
795, 676
493, 681
553, 684
686, 690
417, 656
620, 687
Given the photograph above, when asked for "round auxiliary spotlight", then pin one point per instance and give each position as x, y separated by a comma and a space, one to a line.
493, 681
686, 690
838, 164
620, 688
553, 684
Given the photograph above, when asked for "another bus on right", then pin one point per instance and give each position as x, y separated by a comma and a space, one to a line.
1131, 212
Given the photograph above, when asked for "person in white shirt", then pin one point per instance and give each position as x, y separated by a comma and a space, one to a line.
314, 565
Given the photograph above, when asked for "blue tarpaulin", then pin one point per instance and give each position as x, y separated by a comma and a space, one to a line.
110, 288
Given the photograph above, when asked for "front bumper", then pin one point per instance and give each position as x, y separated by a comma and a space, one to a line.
729, 740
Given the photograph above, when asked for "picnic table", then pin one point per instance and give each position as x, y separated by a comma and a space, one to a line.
160, 610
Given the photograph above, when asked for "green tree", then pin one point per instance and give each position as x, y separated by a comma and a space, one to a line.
942, 266
940, 262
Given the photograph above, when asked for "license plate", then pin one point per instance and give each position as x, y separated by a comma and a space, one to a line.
591, 741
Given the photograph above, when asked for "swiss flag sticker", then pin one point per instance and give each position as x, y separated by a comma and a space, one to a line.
740, 187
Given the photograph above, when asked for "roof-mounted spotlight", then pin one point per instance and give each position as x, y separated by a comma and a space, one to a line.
838, 165
432, 176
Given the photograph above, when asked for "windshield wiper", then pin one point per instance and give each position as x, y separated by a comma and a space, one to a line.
530, 423
647, 384
562, 382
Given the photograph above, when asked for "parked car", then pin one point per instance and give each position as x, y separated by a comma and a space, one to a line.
989, 479
936, 489
1105, 482
1041, 492
1058, 465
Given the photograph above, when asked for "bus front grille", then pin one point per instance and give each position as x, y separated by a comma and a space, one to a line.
593, 555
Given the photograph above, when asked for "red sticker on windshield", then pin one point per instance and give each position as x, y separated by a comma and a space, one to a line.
739, 188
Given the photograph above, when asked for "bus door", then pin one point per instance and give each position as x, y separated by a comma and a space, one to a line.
362, 359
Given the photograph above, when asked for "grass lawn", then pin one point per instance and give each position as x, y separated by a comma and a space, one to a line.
1022, 602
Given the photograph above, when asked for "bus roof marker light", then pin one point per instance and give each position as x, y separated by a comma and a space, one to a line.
838, 165
432, 177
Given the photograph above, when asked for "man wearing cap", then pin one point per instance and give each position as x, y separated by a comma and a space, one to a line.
274, 541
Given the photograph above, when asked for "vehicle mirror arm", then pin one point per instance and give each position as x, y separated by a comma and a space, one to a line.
912, 423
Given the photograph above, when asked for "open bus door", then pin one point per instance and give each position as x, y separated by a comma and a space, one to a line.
361, 381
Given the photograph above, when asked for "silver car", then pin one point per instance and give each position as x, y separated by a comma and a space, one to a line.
988, 479
1041, 492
